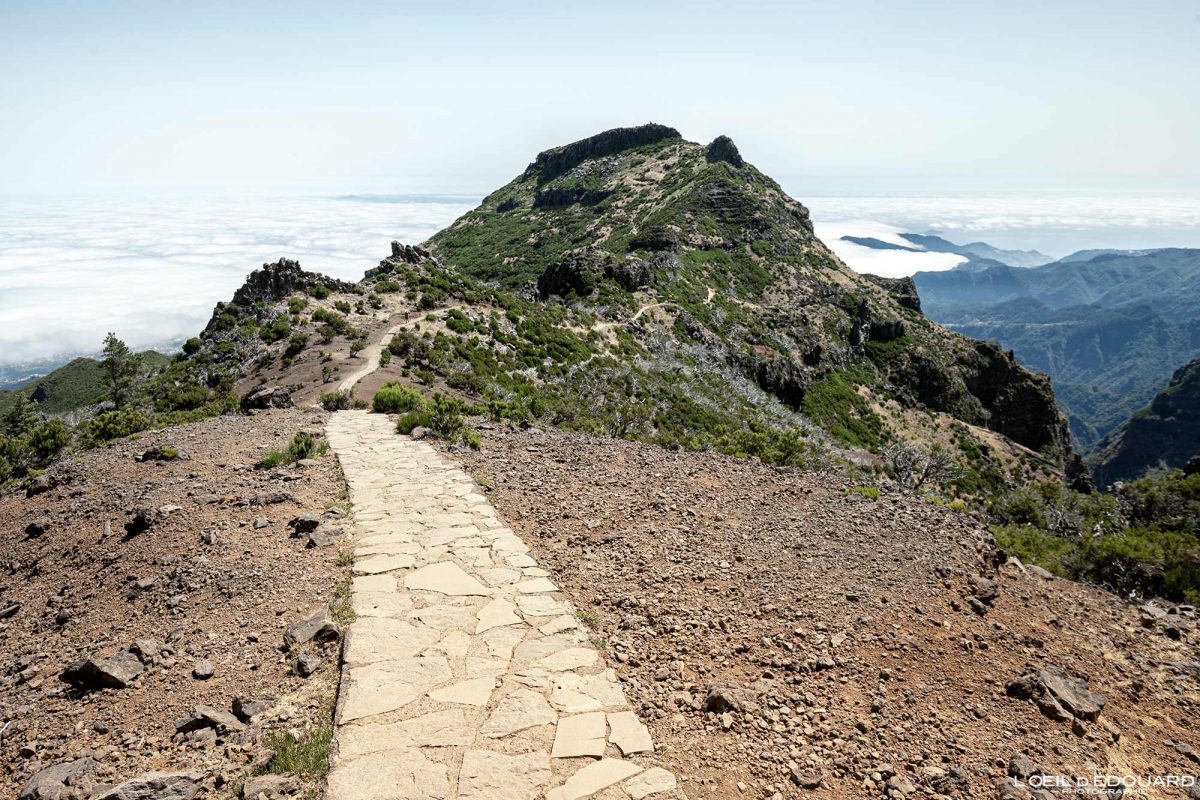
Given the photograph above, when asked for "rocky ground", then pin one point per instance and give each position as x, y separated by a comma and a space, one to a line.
788, 636
178, 580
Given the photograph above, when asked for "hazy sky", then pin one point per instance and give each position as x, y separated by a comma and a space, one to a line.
458, 97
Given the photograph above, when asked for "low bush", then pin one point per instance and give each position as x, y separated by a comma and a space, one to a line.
395, 398
336, 401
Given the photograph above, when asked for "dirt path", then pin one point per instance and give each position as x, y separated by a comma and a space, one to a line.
370, 354
466, 674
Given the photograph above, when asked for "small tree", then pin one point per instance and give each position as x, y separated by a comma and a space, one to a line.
914, 466
21, 417
121, 370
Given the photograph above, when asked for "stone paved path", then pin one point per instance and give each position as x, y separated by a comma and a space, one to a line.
466, 674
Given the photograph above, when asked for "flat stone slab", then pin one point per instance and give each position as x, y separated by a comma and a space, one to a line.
405, 775
388, 685
445, 577
474, 692
580, 735
628, 733
593, 778
518, 711
488, 775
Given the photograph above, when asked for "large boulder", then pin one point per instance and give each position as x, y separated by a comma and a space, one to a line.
156, 786
92, 674
49, 782
277, 281
263, 397
1057, 695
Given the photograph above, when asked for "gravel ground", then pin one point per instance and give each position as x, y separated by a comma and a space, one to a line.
788, 636
203, 582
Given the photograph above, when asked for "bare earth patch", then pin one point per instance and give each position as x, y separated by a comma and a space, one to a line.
789, 636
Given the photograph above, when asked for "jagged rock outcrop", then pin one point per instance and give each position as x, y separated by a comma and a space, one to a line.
1166, 433
281, 279
581, 273
904, 290
722, 148
558, 160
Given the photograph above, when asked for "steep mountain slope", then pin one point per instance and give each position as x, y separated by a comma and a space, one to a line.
74, 385
712, 281
1106, 329
1164, 434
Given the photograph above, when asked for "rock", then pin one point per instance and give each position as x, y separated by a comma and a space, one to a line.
324, 536
264, 397
92, 674
155, 786
261, 522
39, 484
722, 148
306, 664
986, 590
141, 520
317, 626
806, 779
419, 432
203, 670
277, 281
209, 717
304, 523
146, 650
162, 453
270, 498
724, 697
247, 708
1058, 696
47, 783
36, 529
9, 610
270, 787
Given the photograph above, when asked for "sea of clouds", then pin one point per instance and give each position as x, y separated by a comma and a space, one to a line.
150, 269
1055, 224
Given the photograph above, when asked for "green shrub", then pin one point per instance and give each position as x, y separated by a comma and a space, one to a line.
472, 440
412, 419
336, 401
307, 755
275, 330
193, 345
395, 398
343, 306
297, 304
319, 292
446, 416
112, 425
385, 357
303, 445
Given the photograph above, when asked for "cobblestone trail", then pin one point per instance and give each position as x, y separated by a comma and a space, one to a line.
466, 674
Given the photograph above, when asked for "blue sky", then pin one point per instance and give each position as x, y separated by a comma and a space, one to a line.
458, 97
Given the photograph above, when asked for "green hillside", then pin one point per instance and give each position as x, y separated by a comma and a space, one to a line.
76, 384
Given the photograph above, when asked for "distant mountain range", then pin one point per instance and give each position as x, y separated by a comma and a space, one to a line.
77, 384
1108, 326
978, 254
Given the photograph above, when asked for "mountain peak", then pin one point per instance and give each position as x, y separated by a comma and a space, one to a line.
722, 148
556, 161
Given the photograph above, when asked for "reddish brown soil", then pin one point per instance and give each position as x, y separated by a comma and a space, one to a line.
698, 569
227, 601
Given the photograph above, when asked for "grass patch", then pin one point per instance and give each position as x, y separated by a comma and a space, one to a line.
307, 756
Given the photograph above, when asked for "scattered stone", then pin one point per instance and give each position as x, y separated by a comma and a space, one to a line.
304, 523
146, 650
324, 536
260, 523
49, 782
305, 664
93, 674
203, 670
318, 626
263, 397
141, 520
156, 786
36, 529
1058, 696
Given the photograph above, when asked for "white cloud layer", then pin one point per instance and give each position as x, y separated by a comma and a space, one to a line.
152, 269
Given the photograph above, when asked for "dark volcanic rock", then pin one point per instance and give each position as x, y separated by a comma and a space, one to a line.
267, 397
1058, 696
722, 148
903, 289
277, 281
92, 674
552, 163
581, 273
49, 782
156, 786
317, 626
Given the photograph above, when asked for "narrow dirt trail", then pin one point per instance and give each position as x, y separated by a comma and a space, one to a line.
466, 674
370, 354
